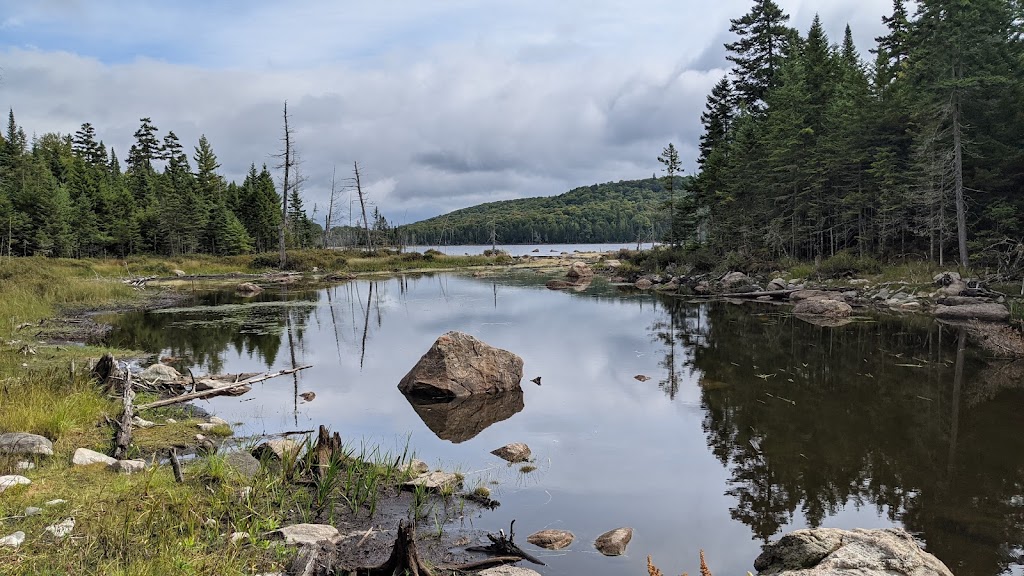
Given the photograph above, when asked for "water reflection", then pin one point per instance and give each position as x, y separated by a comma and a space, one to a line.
464, 418
755, 422
811, 419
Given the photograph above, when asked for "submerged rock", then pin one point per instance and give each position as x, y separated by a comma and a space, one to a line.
25, 443
614, 542
802, 295
833, 552
459, 365
551, 539
514, 452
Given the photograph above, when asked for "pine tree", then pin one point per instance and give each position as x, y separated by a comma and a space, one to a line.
763, 42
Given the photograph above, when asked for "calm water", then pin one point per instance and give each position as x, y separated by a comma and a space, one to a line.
529, 249
753, 423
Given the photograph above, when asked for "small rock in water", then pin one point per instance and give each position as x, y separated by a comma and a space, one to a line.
11, 481
514, 452
435, 482
13, 540
551, 539
642, 377
308, 396
536, 380
62, 528
613, 542
218, 421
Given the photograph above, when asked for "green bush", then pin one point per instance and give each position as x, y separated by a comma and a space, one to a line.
845, 264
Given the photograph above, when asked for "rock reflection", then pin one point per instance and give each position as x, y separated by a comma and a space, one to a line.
463, 418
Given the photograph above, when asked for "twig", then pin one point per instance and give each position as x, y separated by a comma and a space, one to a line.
218, 391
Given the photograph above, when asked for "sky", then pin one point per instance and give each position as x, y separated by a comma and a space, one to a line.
444, 104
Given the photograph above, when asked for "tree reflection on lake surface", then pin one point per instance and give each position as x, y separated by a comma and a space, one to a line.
753, 423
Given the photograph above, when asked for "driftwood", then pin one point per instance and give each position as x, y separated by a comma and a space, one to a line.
123, 438
218, 391
404, 560
502, 545
104, 370
175, 465
769, 293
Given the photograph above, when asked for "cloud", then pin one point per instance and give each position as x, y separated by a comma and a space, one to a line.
443, 104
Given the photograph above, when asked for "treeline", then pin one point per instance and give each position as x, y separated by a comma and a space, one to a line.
808, 151
622, 211
67, 195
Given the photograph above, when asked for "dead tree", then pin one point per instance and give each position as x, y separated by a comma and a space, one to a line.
362, 204
287, 163
123, 437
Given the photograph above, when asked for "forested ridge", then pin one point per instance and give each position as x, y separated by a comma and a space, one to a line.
610, 212
808, 150
67, 195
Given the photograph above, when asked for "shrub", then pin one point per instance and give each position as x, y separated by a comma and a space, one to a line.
845, 264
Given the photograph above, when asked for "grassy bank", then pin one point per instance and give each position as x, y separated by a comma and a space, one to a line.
147, 523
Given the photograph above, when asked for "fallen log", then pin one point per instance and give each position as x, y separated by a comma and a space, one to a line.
123, 438
770, 293
502, 545
218, 391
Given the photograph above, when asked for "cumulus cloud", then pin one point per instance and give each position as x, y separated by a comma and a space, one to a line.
443, 106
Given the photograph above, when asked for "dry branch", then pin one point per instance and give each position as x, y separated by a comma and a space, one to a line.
220, 390
123, 438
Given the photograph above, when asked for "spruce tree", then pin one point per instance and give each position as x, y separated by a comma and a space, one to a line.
763, 43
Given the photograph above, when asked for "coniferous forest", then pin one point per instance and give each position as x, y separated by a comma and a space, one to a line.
914, 148
808, 150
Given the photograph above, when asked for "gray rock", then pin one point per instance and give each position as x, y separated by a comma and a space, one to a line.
237, 537
833, 552
733, 279
300, 534
62, 528
25, 443
140, 423
26, 465
243, 463
613, 542
218, 421
643, 284
435, 481
10, 481
247, 289
85, 457
278, 449
32, 511
509, 571
459, 365
12, 540
830, 308
579, 270
128, 466
777, 284
882, 294
177, 272
551, 539
418, 467
953, 289
160, 373
514, 452
946, 278
802, 295
57, 502
206, 426
983, 312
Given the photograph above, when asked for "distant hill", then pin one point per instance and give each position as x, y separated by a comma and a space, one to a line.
612, 212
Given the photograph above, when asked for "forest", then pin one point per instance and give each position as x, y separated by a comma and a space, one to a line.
612, 212
68, 196
809, 150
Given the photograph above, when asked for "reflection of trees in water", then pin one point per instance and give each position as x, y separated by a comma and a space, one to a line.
201, 336
882, 414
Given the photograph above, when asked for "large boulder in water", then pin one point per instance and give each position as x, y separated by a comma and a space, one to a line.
579, 270
984, 312
829, 308
833, 552
459, 365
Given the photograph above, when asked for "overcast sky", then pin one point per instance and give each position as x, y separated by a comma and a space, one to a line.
445, 104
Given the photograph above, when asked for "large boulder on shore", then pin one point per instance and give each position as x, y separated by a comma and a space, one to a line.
25, 443
579, 270
833, 552
460, 365
829, 308
160, 373
983, 312
801, 295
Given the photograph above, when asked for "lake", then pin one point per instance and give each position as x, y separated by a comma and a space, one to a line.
752, 423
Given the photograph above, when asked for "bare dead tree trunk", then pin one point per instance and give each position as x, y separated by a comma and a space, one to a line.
123, 438
330, 207
958, 179
362, 204
284, 186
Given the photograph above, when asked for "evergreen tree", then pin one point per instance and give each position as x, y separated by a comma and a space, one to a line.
763, 42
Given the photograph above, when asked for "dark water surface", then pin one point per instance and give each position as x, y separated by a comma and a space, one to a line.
753, 422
